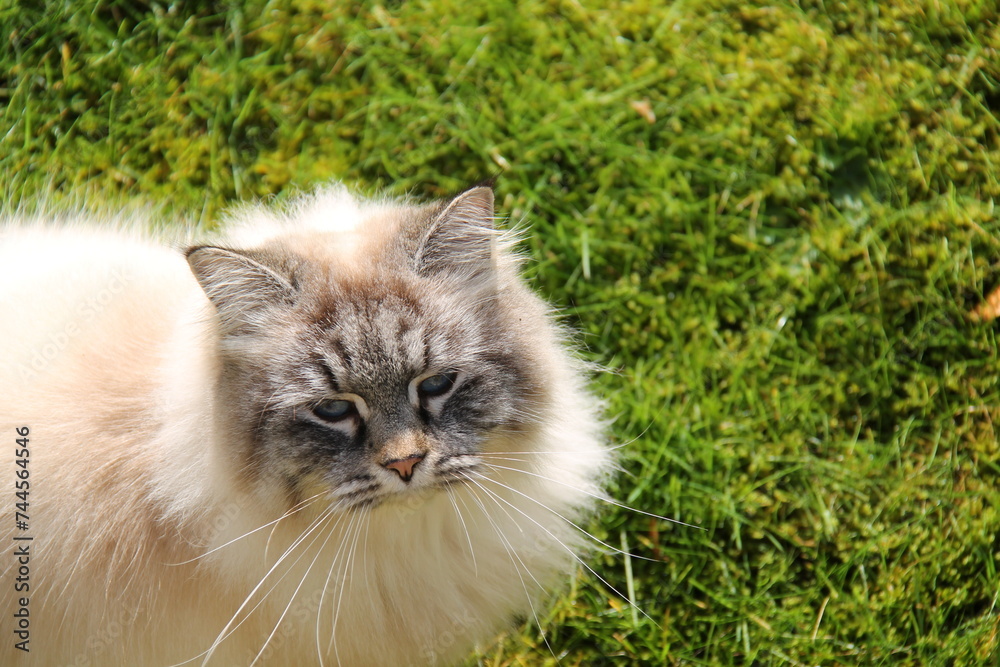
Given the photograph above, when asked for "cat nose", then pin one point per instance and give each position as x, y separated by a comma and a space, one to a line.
404, 467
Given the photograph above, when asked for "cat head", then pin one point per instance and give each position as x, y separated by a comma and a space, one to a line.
372, 351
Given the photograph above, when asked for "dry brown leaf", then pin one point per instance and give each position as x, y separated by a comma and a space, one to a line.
644, 109
989, 310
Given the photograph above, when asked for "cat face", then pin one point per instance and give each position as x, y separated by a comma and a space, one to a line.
381, 378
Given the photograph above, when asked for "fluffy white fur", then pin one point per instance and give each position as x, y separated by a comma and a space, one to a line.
150, 548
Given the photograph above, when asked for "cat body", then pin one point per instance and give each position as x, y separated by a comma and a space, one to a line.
345, 433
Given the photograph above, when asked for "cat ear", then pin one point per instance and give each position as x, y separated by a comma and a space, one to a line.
240, 287
461, 237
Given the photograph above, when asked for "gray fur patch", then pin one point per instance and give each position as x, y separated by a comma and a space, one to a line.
296, 334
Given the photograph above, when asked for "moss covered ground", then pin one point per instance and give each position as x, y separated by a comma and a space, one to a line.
773, 222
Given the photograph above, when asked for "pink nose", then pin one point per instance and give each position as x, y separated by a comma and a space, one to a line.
404, 467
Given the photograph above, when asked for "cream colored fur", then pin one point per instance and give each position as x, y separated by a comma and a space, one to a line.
149, 544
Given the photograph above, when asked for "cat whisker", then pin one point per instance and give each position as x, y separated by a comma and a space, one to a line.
302, 504
506, 453
505, 458
534, 452
448, 466
229, 627
364, 559
596, 496
297, 508
291, 599
359, 497
348, 560
569, 521
500, 455
511, 552
564, 545
354, 516
227, 630
527, 415
507, 544
366, 521
326, 517
468, 537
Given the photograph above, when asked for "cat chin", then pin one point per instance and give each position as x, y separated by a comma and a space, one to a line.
371, 497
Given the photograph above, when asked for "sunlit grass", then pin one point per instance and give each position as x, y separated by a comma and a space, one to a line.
768, 220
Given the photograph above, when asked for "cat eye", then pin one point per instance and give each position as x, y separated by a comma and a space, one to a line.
437, 385
335, 409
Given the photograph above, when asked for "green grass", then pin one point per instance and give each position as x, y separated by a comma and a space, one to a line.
778, 267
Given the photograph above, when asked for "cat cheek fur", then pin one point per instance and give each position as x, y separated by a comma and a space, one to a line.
222, 510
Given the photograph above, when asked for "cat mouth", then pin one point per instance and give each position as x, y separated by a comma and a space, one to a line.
374, 494
361, 499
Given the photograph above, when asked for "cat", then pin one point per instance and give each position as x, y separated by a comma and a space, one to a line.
341, 432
